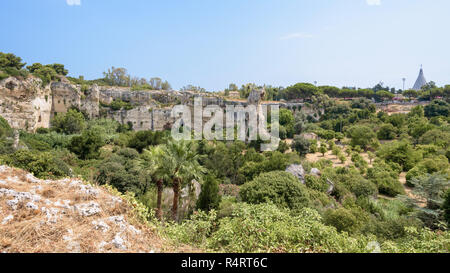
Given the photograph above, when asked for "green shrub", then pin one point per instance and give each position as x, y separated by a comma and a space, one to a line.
42, 165
400, 152
436, 164
87, 145
386, 179
142, 139
316, 183
437, 108
194, 231
342, 219
301, 145
72, 122
361, 136
5, 129
267, 228
349, 180
274, 161
279, 187
122, 171
209, 197
387, 132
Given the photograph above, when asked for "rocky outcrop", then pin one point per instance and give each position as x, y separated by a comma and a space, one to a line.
68, 216
25, 104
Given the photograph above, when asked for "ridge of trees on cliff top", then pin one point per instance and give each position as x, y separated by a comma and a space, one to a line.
12, 65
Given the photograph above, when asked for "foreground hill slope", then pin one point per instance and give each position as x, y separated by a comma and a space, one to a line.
68, 216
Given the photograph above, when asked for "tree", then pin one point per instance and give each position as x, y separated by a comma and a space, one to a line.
9, 60
410, 94
117, 77
59, 69
436, 137
87, 145
209, 197
398, 120
400, 152
183, 165
72, 122
153, 163
46, 74
417, 111
342, 158
143, 139
323, 149
383, 95
301, 91
437, 108
446, 207
301, 145
431, 188
300, 122
196, 89
155, 83
361, 136
418, 127
122, 171
386, 179
387, 132
34, 67
165, 85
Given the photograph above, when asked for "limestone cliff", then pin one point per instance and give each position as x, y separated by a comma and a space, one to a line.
27, 105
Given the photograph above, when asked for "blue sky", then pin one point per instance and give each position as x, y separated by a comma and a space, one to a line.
212, 43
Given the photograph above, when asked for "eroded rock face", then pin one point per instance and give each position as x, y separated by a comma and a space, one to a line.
256, 97
27, 105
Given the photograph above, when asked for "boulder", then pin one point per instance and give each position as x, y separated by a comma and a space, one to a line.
315, 172
331, 186
297, 171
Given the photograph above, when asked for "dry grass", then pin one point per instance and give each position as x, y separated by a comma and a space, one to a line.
30, 230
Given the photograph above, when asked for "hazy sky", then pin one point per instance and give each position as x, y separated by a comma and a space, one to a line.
212, 43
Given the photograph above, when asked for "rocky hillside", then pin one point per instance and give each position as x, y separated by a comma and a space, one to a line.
68, 216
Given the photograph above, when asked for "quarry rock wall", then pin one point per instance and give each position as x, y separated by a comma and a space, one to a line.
28, 105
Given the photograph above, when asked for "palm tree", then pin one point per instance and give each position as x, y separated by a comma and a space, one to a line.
153, 163
182, 160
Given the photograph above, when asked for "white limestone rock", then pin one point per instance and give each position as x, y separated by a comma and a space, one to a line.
118, 242
32, 206
33, 179
100, 225
88, 209
7, 219
52, 214
13, 203
315, 172
119, 221
65, 204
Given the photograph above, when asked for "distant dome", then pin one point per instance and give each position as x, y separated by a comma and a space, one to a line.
420, 82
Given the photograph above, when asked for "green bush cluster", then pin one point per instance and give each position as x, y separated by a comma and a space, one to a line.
43, 165
281, 188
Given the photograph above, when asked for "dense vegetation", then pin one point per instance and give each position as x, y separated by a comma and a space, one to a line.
248, 202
